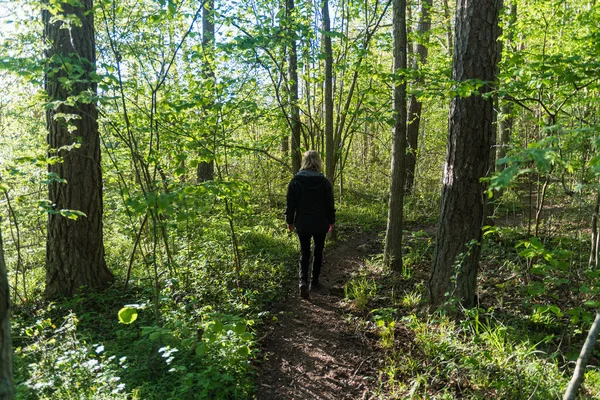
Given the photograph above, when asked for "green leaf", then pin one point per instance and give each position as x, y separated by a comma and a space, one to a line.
171, 7
535, 289
201, 349
593, 303
239, 327
536, 243
217, 326
243, 351
127, 315
71, 214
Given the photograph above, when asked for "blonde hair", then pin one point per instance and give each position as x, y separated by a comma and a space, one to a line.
311, 161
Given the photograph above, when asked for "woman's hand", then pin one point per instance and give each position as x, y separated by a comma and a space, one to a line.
330, 227
291, 227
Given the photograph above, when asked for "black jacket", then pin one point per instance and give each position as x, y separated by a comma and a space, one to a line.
310, 202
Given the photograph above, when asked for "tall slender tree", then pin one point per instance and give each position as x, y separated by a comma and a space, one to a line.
75, 248
448, 23
506, 120
471, 133
206, 169
6, 368
414, 105
328, 94
393, 237
293, 87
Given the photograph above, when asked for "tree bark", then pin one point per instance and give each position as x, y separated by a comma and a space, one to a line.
471, 133
393, 238
414, 105
584, 357
75, 248
206, 169
293, 88
595, 237
328, 94
448, 20
506, 121
6, 367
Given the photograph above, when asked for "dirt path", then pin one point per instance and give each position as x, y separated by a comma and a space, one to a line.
315, 351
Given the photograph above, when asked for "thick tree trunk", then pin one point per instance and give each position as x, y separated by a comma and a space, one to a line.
206, 169
75, 248
328, 94
414, 105
293, 88
393, 238
471, 134
6, 367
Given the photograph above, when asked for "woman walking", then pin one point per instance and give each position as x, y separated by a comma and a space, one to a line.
311, 211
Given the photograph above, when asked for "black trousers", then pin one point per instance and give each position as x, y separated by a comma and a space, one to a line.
319, 239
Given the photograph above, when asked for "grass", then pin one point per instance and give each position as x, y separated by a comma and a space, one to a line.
519, 344
361, 212
473, 358
360, 290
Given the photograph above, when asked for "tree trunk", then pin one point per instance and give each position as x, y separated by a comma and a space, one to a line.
285, 139
448, 20
471, 133
506, 120
414, 105
393, 238
505, 127
206, 169
490, 202
584, 357
293, 88
75, 248
330, 148
6, 367
594, 250
328, 94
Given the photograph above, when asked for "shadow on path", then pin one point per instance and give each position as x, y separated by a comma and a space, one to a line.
314, 351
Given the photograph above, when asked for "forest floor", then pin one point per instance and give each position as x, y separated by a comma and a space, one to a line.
327, 347
315, 350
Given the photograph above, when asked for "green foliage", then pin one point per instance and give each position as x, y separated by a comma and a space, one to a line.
384, 318
482, 357
360, 290
127, 315
419, 252
61, 364
356, 214
207, 359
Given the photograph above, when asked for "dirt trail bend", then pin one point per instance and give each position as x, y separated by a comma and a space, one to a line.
315, 351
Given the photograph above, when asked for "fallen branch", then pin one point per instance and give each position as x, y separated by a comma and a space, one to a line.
359, 366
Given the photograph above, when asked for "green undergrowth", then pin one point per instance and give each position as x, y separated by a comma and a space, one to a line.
196, 340
186, 330
476, 357
361, 212
536, 303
